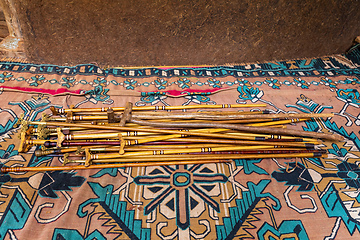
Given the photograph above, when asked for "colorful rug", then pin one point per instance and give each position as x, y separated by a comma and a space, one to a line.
303, 198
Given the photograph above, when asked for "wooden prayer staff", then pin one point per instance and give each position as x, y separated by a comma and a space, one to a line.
195, 158
199, 157
210, 133
213, 116
173, 151
188, 144
56, 111
260, 130
136, 137
101, 166
230, 154
139, 164
39, 153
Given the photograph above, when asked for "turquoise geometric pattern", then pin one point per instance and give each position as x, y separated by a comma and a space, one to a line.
262, 198
16, 214
288, 229
117, 210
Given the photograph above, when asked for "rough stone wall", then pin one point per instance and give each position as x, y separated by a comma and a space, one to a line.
179, 32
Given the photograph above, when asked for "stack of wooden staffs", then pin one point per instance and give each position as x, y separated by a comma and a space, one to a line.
130, 136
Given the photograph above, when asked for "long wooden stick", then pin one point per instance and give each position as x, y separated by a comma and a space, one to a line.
101, 166
118, 128
138, 132
214, 116
39, 153
144, 112
272, 123
229, 116
149, 108
173, 151
273, 137
261, 130
242, 142
177, 161
195, 158
259, 137
231, 154
206, 132
195, 116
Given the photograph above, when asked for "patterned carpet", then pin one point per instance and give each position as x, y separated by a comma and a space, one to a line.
302, 198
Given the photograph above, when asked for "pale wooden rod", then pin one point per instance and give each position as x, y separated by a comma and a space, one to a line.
260, 130
228, 116
101, 166
173, 151
195, 158
149, 108
213, 116
212, 133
